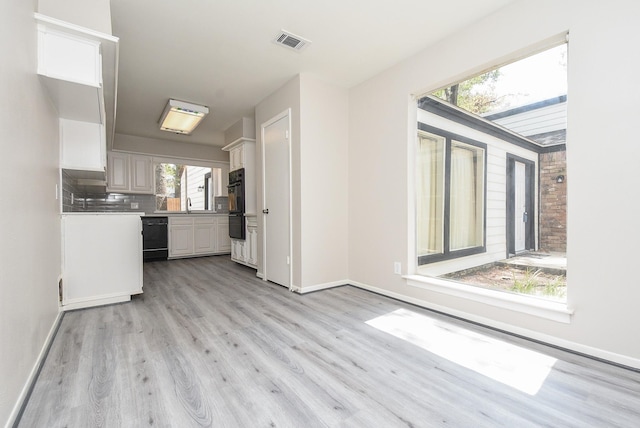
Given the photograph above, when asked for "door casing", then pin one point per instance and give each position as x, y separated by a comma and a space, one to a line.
277, 251
530, 241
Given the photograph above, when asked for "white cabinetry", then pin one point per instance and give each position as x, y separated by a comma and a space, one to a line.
224, 242
101, 259
246, 251
180, 237
242, 155
79, 68
118, 168
252, 241
236, 158
130, 173
205, 231
141, 174
197, 235
82, 145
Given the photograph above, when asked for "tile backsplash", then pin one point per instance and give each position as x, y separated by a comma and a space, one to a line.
77, 199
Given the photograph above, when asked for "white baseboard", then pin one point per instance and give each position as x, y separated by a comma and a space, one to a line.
318, 287
107, 299
530, 334
34, 371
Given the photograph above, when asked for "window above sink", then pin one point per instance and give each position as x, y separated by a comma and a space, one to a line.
186, 188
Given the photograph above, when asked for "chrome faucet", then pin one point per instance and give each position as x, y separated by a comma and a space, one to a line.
188, 205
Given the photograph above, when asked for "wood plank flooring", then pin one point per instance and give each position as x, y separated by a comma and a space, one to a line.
209, 344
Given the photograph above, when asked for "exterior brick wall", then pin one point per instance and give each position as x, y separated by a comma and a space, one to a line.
553, 202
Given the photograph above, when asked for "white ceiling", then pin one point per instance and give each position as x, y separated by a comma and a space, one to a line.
219, 53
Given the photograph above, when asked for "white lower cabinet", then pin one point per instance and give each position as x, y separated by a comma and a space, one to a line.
246, 251
224, 242
198, 236
237, 251
205, 231
101, 259
180, 237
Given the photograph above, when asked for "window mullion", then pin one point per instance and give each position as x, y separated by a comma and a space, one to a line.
447, 197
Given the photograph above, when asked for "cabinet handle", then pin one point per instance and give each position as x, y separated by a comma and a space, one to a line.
265, 211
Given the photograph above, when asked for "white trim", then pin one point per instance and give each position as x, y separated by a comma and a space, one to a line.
509, 328
237, 142
555, 311
286, 113
177, 160
75, 29
318, 287
106, 299
173, 158
31, 379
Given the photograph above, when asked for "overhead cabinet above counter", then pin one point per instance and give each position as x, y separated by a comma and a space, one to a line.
129, 173
79, 68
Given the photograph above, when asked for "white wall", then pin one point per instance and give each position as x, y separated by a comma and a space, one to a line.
603, 285
30, 226
93, 14
324, 113
287, 97
319, 117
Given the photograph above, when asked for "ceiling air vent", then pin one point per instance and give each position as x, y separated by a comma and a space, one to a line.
291, 41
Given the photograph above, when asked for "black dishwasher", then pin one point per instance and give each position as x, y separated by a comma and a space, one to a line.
154, 238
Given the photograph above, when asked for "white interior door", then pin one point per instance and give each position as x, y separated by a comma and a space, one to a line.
520, 212
277, 200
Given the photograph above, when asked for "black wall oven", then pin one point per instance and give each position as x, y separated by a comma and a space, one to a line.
236, 204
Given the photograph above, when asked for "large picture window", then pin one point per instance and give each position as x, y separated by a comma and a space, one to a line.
451, 197
492, 178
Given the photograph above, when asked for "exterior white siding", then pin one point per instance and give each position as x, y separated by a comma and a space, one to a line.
538, 121
195, 186
496, 198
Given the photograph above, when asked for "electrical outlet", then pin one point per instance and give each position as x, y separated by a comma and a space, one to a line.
134, 205
397, 268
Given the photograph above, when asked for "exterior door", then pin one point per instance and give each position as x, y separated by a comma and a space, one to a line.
277, 200
520, 205
520, 212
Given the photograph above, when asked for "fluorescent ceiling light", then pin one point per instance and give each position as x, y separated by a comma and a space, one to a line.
181, 117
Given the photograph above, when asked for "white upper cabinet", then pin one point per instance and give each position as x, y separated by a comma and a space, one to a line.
69, 57
79, 68
129, 173
118, 168
141, 173
242, 154
82, 145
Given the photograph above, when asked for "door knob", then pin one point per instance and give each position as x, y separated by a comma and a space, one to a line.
265, 211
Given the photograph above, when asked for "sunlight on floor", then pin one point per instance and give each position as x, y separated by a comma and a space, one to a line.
509, 364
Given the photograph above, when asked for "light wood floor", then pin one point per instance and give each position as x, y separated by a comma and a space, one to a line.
209, 344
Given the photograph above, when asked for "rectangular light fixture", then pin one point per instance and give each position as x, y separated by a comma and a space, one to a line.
181, 117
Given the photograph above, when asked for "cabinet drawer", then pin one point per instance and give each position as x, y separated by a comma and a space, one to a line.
204, 220
180, 221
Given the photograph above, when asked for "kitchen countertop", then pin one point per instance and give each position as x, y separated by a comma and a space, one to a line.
143, 214
104, 213
182, 214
